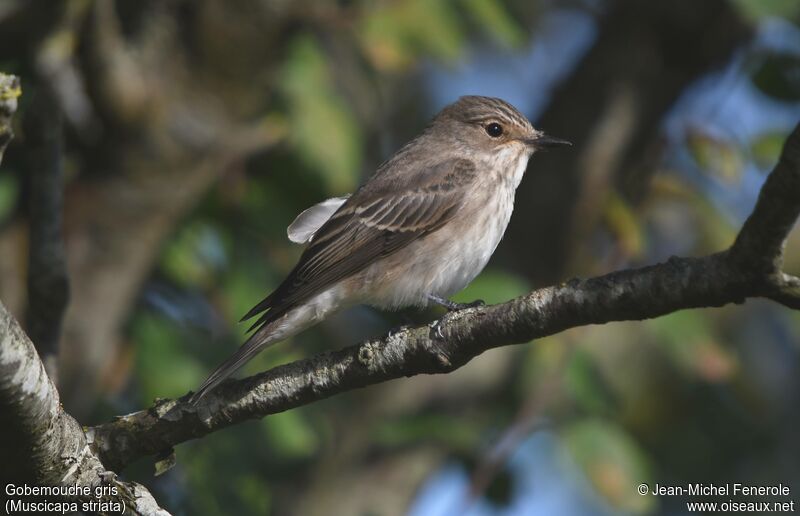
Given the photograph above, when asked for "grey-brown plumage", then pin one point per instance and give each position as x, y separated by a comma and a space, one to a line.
421, 228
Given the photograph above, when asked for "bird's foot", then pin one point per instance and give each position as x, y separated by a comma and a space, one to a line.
398, 329
436, 329
452, 306
437, 325
474, 304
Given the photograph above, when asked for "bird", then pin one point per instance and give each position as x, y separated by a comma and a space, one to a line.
420, 229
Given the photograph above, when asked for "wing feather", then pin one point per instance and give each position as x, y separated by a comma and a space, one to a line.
371, 224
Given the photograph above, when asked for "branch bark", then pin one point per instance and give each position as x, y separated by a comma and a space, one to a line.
39, 442
750, 268
9, 92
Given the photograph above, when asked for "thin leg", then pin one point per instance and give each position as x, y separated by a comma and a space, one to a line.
397, 330
451, 306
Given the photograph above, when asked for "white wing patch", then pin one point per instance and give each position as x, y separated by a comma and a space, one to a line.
306, 224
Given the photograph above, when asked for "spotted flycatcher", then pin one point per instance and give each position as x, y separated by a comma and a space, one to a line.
418, 231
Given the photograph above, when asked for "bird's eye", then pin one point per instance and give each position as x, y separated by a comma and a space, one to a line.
494, 130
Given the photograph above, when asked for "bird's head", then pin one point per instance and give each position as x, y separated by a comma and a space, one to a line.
490, 124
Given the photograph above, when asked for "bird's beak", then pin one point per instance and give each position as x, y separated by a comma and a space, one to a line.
542, 141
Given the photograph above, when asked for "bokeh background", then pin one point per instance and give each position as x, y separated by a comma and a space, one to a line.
194, 131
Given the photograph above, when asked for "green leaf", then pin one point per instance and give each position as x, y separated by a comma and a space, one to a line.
689, 339
613, 462
681, 327
9, 191
718, 158
254, 492
624, 222
540, 361
385, 42
757, 9
242, 287
493, 286
396, 34
428, 427
766, 149
434, 27
494, 18
291, 434
164, 369
195, 255
585, 383
322, 129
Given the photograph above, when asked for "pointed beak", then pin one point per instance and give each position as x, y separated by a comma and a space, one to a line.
542, 141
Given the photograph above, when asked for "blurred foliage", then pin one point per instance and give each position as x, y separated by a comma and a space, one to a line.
493, 286
9, 192
438, 428
396, 34
688, 337
767, 8
195, 254
613, 462
623, 222
322, 129
766, 148
716, 157
159, 347
585, 385
291, 434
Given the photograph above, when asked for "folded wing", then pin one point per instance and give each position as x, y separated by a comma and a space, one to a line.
373, 223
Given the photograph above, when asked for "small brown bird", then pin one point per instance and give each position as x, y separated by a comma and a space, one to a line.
418, 231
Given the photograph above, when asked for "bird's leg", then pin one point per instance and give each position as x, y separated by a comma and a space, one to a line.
394, 330
436, 329
452, 306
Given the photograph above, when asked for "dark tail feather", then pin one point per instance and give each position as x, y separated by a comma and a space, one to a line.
246, 351
262, 306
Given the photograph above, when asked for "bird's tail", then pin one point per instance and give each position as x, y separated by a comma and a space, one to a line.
252, 346
278, 325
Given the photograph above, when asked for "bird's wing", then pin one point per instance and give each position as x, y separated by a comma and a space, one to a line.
372, 224
306, 224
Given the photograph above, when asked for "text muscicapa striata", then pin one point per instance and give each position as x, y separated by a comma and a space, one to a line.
418, 231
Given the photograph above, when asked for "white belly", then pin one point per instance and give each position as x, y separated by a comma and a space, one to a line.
462, 258
447, 260
443, 262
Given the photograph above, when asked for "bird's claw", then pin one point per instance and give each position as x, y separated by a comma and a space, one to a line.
436, 330
452, 306
475, 304
397, 329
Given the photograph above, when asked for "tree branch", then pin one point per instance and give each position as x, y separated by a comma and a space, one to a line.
39, 442
785, 290
763, 235
9, 92
719, 279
